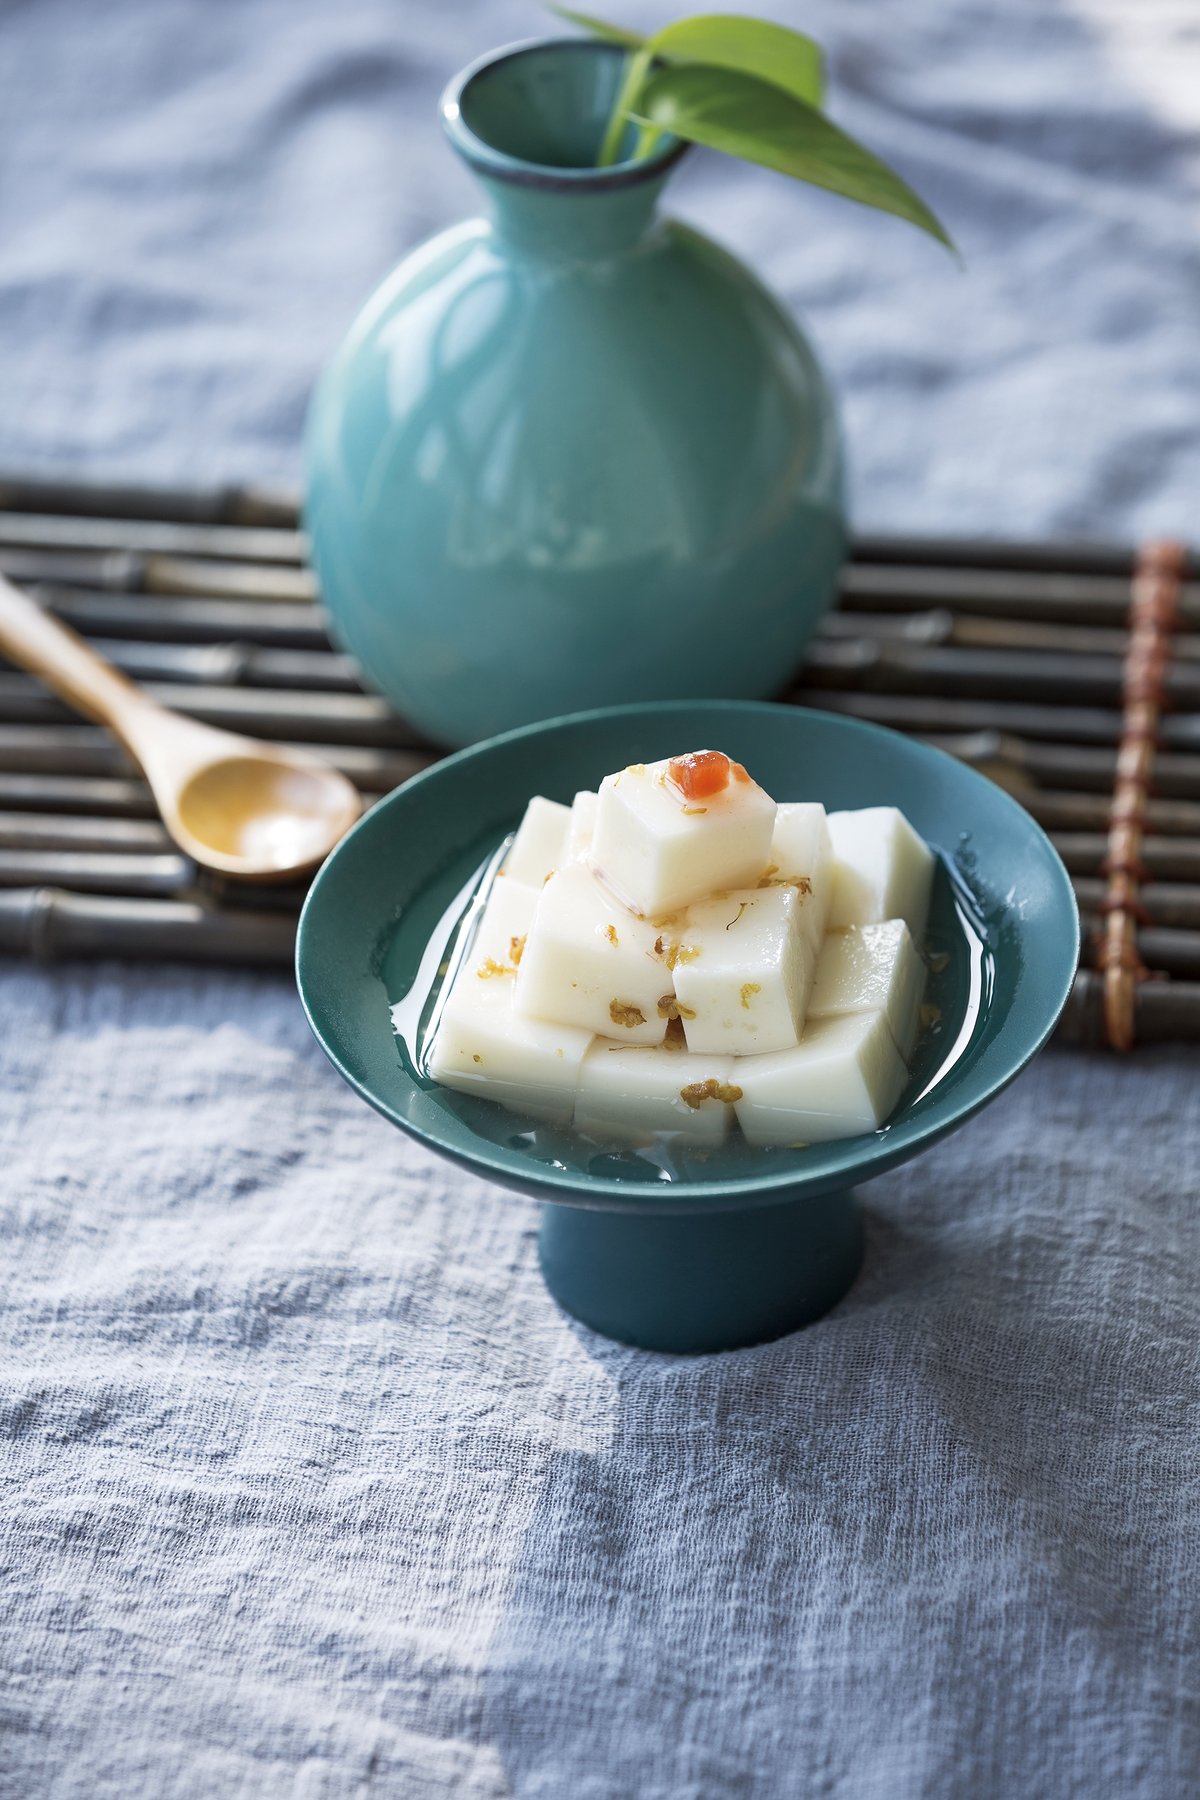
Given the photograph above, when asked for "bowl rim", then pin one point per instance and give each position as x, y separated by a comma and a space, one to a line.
872, 1155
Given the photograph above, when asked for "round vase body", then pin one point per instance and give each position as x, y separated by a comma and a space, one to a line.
572, 455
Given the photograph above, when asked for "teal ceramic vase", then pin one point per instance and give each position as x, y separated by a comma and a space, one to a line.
574, 453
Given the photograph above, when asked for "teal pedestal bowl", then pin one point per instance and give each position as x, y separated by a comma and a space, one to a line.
691, 1255
572, 453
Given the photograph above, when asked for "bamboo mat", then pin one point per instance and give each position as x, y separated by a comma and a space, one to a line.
1070, 674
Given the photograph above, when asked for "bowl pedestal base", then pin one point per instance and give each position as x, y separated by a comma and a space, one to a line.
695, 1282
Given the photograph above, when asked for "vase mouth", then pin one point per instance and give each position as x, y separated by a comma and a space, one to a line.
499, 114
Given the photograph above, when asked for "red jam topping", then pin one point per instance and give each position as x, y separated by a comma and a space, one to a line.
703, 773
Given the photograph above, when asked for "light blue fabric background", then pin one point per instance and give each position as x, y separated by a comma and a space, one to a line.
308, 1489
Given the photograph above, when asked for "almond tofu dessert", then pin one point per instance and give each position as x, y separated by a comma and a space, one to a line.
871, 968
668, 833
537, 849
744, 971
801, 855
589, 962
881, 870
678, 957
580, 827
629, 1095
482, 1045
843, 1078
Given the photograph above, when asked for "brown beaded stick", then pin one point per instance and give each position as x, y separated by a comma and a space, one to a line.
1153, 612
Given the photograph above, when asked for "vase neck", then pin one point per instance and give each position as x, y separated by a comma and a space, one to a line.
529, 121
574, 226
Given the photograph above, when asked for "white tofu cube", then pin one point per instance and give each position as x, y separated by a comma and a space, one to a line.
579, 831
537, 850
871, 968
507, 915
802, 853
660, 850
881, 870
589, 962
628, 1096
743, 971
482, 1045
843, 1078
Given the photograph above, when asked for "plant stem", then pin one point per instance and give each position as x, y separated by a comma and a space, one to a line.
648, 139
636, 68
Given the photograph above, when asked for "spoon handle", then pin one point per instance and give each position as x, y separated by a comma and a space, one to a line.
84, 680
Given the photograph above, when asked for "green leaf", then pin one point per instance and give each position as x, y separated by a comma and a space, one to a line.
787, 59
744, 116
611, 34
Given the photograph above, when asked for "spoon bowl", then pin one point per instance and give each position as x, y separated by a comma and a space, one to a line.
254, 813
233, 805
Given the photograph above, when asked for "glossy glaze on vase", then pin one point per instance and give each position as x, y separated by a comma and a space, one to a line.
574, 453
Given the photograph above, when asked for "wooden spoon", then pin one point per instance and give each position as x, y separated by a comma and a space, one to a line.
233, 804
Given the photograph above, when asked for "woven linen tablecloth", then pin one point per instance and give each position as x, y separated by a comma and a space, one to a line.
308, 1488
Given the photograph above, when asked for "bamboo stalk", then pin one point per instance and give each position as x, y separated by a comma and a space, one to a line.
1168, 951
1067, 766
1064, 597
69, 831
1014, 634
893, 667
1165, 859
89, 750
1172, 953
948, 629
1091, 812
1167, 903
104, 797
56, 926
231, 665
98, 872
252, 505
233, 543
925, 715
251, 896
62, 750
235, 581
98, 868
1164, 950
1163, 1011
205, 620
113, 571
1038, 556
86, 795
310, 718
121, 571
